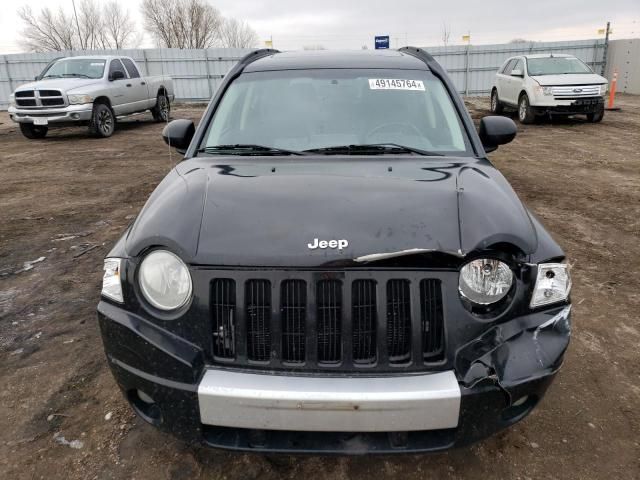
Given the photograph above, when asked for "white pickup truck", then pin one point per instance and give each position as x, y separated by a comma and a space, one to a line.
90, 90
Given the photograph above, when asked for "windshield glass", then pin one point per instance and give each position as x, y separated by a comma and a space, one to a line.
314, 109
76, 67
556, 66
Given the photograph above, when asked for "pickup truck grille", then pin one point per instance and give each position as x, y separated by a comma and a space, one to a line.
39, 98
569, 92
327, 320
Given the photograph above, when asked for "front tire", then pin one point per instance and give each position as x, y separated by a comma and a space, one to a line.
103, 121
32, 131
161, 109
496, 106
596, 117
526, 113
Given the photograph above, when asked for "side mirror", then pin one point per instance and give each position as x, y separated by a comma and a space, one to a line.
116, 75
495, 130
517, 73
178, 134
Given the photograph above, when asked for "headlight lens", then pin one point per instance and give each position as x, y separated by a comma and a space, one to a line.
485, 281
12, 100
547, 90
111, 281
603, 89
165, 280
80, 99
553, 284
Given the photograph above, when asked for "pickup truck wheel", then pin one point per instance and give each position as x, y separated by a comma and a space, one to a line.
103, 121
496, 106
162, 109
526, 114
32, 131
596, 117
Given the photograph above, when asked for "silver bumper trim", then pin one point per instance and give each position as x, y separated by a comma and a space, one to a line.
331, 404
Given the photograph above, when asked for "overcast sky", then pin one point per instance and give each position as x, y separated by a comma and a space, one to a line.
352, 24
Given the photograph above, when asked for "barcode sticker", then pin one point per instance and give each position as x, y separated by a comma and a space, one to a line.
395, 84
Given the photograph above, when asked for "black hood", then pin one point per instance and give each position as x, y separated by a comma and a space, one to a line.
266, 212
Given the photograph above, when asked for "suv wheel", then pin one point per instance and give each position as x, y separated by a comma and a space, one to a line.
525, 112
32, 131
103, 121
596, 117
161, 109
496, 106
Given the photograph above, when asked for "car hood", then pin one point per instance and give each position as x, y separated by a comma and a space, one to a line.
570, 79
268, 212
64, 84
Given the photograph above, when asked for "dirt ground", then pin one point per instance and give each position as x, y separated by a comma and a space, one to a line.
66, 199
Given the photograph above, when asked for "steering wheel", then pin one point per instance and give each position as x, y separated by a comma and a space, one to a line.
389, 126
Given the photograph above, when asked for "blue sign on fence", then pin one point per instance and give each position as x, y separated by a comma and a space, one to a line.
382, 42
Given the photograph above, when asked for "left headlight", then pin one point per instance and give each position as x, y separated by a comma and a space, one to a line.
111, 280
485, 281
604, 88
79, 99
553, 284
165, 280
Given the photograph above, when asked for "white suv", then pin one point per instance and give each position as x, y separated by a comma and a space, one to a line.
548, 84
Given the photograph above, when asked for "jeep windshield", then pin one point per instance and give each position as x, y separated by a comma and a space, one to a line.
76, 67
556, 66
336, 111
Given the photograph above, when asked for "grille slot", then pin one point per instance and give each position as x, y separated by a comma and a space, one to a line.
49, 102
364, 321
223, 309
24, 93
258, 318
26, 102
293, 311
432, 320
49, 93
398, 321
329, 302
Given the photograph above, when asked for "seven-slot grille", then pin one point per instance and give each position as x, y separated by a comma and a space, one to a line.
327, 322
39, 98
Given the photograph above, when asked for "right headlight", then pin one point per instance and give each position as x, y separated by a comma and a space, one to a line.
165, 280
12, 100
79, 99
553, 284
485, 281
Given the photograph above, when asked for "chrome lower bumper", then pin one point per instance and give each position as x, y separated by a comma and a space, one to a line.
330, 404
71, 113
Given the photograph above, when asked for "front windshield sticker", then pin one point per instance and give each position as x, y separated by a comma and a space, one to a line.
395, 84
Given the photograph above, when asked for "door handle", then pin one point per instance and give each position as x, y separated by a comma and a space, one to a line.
143, 83
128, 84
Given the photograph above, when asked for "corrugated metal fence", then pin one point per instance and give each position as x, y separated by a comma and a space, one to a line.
198, 73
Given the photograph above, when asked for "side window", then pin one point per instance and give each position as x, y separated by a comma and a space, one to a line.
507, 67
518, 66
115, 66
131, 68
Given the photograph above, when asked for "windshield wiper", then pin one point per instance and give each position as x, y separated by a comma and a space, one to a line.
75, 75
247, 149
372, 148
52, 76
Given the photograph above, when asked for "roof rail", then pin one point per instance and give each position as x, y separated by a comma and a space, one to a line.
256, 55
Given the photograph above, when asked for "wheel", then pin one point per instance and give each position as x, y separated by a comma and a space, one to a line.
32, 131
496, 106
103, 121
596, 117
525, 112
161, 109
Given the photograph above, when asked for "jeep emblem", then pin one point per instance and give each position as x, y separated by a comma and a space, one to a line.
323, 244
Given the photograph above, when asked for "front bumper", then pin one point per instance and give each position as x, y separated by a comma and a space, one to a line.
569, 107
71, 114
498, 378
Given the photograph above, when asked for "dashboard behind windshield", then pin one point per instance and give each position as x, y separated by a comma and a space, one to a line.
314, 109
76, 67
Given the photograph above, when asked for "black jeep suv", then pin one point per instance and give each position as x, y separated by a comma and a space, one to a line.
335, 266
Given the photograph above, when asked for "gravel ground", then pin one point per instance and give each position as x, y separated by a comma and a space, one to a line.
66, 199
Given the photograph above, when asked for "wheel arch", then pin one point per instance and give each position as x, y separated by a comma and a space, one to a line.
103, 99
